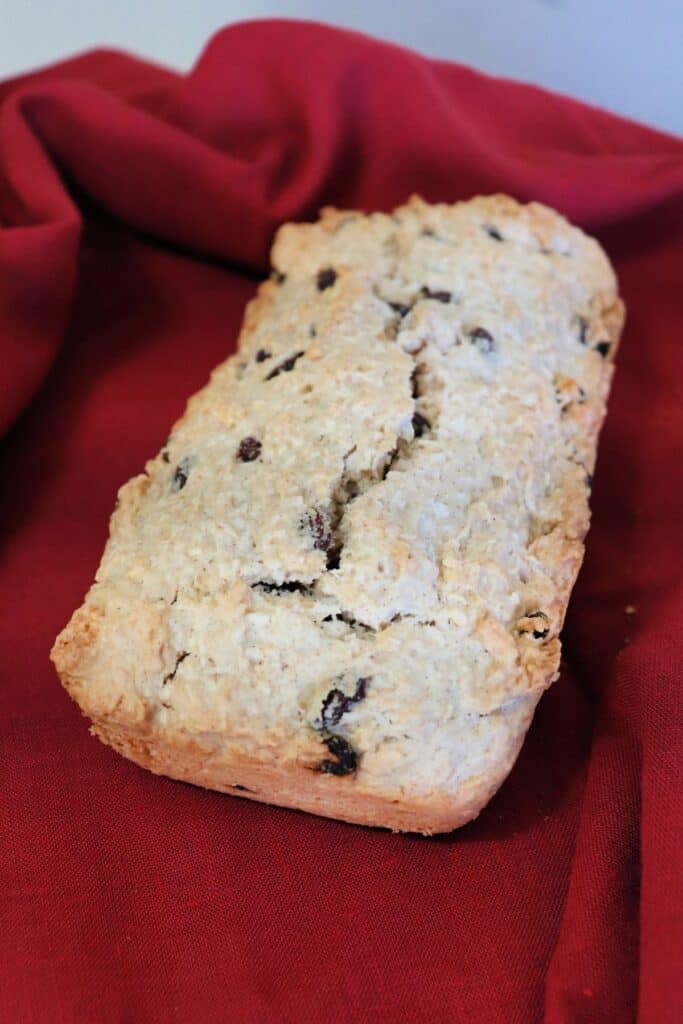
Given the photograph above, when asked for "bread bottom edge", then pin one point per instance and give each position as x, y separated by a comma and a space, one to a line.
297, 787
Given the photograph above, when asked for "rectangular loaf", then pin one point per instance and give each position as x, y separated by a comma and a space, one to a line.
340, 585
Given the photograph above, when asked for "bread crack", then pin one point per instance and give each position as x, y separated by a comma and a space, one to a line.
180, 658
287, 587
328, 529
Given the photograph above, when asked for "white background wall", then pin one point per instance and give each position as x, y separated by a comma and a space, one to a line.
626, 55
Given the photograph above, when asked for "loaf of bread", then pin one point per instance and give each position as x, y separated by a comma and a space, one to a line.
340, 585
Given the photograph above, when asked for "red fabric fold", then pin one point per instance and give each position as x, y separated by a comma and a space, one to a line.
136, 210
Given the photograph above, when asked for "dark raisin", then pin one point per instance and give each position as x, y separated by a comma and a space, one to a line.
262, 355
420, 424
603, 348
339, 617
347, 618
493, 232
249, 449
482, 339
182, 472
439, 296
319, 526
583, 330
589, 480
333, 557
165, 456
288, 587
326, 278
337, 703
242, 789
278, 276
346, 758
284, 367
414, 384
401, 308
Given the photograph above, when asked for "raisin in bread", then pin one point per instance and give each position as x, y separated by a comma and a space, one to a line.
340, 585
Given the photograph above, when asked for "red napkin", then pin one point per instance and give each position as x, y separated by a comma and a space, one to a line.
137, 207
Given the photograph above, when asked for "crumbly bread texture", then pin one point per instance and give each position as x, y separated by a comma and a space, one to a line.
340, 585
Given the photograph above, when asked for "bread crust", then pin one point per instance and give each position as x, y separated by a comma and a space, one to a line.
340, 585
295, 785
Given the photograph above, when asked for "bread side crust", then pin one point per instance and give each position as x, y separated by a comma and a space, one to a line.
298, 786
123, 722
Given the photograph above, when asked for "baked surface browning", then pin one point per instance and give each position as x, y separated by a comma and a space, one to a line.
340, 585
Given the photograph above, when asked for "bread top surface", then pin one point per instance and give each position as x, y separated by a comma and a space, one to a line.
367, 525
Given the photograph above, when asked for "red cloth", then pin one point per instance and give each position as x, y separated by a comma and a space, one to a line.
137, 209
